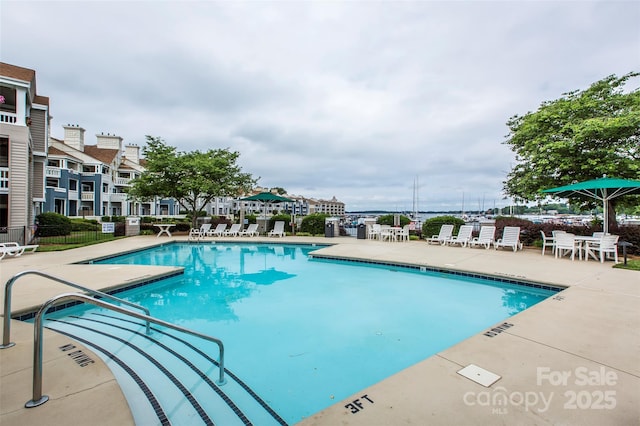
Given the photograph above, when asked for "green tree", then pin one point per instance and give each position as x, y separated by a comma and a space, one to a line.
581, 136
192, 178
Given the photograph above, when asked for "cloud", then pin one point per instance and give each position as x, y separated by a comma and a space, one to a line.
347, 99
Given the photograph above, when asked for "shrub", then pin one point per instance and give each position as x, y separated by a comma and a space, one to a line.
432, 226
115, 219
84, 225
313, 223
52, 224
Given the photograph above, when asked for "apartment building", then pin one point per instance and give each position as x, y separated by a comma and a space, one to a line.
91, 180
24, 134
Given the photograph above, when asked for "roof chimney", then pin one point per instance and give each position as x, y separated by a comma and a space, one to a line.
74, 136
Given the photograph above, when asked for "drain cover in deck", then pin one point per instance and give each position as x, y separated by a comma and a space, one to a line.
479, 375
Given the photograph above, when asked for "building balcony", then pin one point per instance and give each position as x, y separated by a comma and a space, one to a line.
88, 196
122, 181
53, 172
118, 197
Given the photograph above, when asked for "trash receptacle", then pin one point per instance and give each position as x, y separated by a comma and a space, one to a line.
362, 231
328, 229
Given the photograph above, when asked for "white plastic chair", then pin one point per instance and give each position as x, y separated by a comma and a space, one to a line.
566, 243
485, 238
463, 237
548, 241
510, 238
403, 234
608, 245
374, 231
443, 236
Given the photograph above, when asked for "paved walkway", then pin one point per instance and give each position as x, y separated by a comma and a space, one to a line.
573, 359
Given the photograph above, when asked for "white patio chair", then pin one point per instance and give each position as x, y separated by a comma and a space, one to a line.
566, 243
443, 236
548, 241
485, 238
233, 231
510, 238
278, 229
463, 237
251, 231
403, 234
608, 244
199, 233
386, 233
374, 231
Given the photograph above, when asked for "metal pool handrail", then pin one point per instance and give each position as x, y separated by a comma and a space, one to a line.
6, 328
38, 398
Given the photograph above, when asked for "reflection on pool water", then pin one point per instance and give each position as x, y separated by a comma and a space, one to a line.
305, 333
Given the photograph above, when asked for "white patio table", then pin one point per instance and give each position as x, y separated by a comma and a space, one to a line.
164, 228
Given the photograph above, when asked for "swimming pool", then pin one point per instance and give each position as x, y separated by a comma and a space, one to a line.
305, 333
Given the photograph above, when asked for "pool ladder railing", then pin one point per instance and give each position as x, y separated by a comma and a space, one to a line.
6, 326
37, 397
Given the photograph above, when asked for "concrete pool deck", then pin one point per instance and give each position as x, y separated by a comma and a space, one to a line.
573, 359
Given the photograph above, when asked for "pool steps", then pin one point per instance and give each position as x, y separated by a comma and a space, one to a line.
165, 377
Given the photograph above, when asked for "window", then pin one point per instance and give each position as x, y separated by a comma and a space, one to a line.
87, 186
4, 152
73, 185
53, 163
53, 182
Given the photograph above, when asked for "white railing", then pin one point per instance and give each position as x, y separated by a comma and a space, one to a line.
73, 195
53, 172
8, 117
4, 178
88, 196
122, 181
118, 197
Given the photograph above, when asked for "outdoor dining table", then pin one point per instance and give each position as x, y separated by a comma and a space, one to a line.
164, 228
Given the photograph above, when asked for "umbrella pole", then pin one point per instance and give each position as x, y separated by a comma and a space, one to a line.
605, 212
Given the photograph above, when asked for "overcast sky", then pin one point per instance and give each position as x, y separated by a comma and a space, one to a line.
348, 99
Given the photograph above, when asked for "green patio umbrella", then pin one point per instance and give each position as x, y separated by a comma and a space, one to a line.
603, 189
267, 197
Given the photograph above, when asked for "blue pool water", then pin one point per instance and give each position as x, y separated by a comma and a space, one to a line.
305, 333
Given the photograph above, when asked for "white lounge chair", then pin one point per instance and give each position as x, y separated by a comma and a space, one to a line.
510, 238
16, 250
485, 238
443, 236
199, 233
219, 231
233, 231
463, 237
278, 229
251, 231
